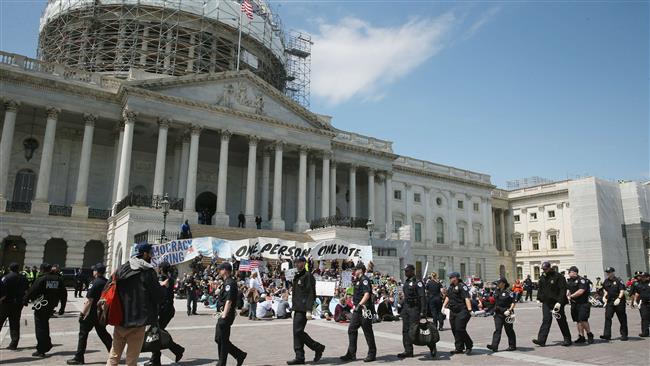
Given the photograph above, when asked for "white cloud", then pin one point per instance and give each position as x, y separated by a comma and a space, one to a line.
354, 59
481, 21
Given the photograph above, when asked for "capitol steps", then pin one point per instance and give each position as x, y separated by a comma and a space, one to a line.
233, 233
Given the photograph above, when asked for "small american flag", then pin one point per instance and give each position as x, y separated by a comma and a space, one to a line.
247, 265
247, 8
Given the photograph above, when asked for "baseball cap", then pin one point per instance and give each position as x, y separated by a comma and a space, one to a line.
573, 269
226, 265
100, 268
143, 248
609, 270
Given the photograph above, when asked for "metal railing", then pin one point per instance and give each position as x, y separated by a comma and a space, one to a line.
58, 210
153, 236
345, 221
137, 200
98, 213
14, 206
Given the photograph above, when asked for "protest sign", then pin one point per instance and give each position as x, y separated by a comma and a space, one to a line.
346, 279
325, 288
289, 274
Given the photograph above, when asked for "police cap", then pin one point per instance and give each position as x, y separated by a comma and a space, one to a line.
573, 269
546, 265
409, 267
226, 265
100, 268
360, 266
454, 274
301, 259
609, 270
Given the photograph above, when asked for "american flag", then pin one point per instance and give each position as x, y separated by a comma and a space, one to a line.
247, 265
247, 8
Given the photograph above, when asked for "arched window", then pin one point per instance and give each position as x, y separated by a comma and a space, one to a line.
440, 231
24, 186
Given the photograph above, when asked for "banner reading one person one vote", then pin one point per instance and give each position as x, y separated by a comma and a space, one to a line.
183, 250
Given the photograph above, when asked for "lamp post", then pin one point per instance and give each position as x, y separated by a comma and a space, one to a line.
370, 226
165, 210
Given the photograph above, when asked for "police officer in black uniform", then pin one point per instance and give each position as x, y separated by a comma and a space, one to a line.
88, 316
614, 303
433, 289
191, 288
504, 306
46, 292
303, 297
14, 286
361, 316
166, 312
642, 296
578, 294
551, 292
414, 309
460, 308
227, 300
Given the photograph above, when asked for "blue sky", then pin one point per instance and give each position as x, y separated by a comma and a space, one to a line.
511, 89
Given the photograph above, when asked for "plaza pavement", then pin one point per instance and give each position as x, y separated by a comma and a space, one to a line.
270, 342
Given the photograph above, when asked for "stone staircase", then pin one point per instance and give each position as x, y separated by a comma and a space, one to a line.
233, 233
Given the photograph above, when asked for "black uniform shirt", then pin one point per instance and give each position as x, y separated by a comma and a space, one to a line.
643, 289
551, 288
457, 295
13, 286
52, 288
414, 294
361, 287
303, 291
95, 292
433, 290
503, 299
613, 288
575, 284
229, 291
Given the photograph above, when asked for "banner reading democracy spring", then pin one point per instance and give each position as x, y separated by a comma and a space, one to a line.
183, 250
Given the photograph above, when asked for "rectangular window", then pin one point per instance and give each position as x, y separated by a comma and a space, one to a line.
516, 217
417, 198
478, 270
461, 235
475, 207
462, 271
551, 214
418, 269
397, 194
520, 272
553, 241
536, 273
418, 232
442, 273
477, 237
533, 216
460, 204
535, 240
518, 243
398, 224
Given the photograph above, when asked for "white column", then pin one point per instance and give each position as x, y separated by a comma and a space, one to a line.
125, 155
301, 221
118, 156
332, 188
353, 190
250, 181
469, 209
185, 157
276, 221
176, 169
502, 223
84, 166
311, 185
161, 157
325, 189
220, 218
6, 143
192, 170
494, 228
41, 205
407, 201
371, 195
428, 224
389, 203
266, 178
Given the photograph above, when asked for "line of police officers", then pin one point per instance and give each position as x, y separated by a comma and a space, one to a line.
554, 293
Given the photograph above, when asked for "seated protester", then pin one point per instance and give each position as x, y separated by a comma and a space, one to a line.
284, 308
264, 308
343, 311
385, 310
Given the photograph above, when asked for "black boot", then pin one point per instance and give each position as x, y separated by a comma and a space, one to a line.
590, 338
296, 362
581, 339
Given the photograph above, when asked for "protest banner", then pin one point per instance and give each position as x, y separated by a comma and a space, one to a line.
325, 288
289, 274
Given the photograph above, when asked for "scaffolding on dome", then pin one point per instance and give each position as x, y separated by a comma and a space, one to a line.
171, 37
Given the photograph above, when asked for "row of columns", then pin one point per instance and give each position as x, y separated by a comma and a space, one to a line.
500, 235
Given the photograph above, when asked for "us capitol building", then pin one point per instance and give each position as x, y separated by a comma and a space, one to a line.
131, 101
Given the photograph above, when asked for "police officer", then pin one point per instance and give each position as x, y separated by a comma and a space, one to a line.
642, 296
46, 292
14, 286
88, 316
504, 306
614, 303
414, 309
578, 295
191, 288
551, 292
303, 297
227, 300
434, 299
78, 283
361, 316
460, 308
166, 312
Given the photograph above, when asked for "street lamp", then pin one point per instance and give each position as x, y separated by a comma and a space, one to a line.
370, 226
165, 210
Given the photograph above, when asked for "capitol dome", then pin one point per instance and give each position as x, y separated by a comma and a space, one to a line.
170, 37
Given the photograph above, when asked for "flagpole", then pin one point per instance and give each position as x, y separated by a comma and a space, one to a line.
239, 42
